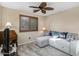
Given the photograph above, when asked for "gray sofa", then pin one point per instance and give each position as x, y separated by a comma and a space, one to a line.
65, 43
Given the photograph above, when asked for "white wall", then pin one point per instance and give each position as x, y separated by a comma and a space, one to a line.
63, 21
67, 21
10, 15
0, 17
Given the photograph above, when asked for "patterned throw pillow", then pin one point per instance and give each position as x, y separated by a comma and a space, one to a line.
72, 36
58, 34
63, 35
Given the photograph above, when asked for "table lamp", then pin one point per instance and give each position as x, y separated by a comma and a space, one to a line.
8, 25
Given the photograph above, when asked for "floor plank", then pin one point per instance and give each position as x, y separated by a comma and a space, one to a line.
33, 50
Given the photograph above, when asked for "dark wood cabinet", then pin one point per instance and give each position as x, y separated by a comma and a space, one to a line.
1, 37
12, 37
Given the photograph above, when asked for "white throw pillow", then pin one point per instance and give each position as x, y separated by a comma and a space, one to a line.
55, 36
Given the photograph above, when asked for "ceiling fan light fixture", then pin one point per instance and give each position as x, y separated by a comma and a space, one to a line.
43, 7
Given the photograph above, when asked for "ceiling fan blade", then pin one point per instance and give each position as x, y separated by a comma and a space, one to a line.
49, 8
43, 11
43, 4
35, 11
33, 7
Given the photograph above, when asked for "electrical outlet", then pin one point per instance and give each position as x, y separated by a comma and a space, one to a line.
29, 37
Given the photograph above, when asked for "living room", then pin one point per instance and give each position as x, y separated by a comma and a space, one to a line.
63, 18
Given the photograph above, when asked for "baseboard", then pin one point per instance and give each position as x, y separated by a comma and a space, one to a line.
25, 43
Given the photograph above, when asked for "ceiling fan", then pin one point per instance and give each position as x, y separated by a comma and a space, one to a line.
43, 7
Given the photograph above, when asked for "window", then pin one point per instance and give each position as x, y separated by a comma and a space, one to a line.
28, 23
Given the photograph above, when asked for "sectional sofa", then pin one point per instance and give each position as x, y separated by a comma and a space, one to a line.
64, 41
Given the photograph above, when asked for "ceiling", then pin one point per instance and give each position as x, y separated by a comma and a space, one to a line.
24, 6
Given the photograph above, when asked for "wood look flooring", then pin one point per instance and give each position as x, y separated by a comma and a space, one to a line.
33, 50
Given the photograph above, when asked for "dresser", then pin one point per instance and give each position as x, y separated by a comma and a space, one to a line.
12, 37
1, 37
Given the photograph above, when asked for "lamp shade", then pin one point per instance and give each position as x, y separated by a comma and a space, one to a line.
43, 28
8, 25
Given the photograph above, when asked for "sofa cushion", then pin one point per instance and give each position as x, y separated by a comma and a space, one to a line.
42, 41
